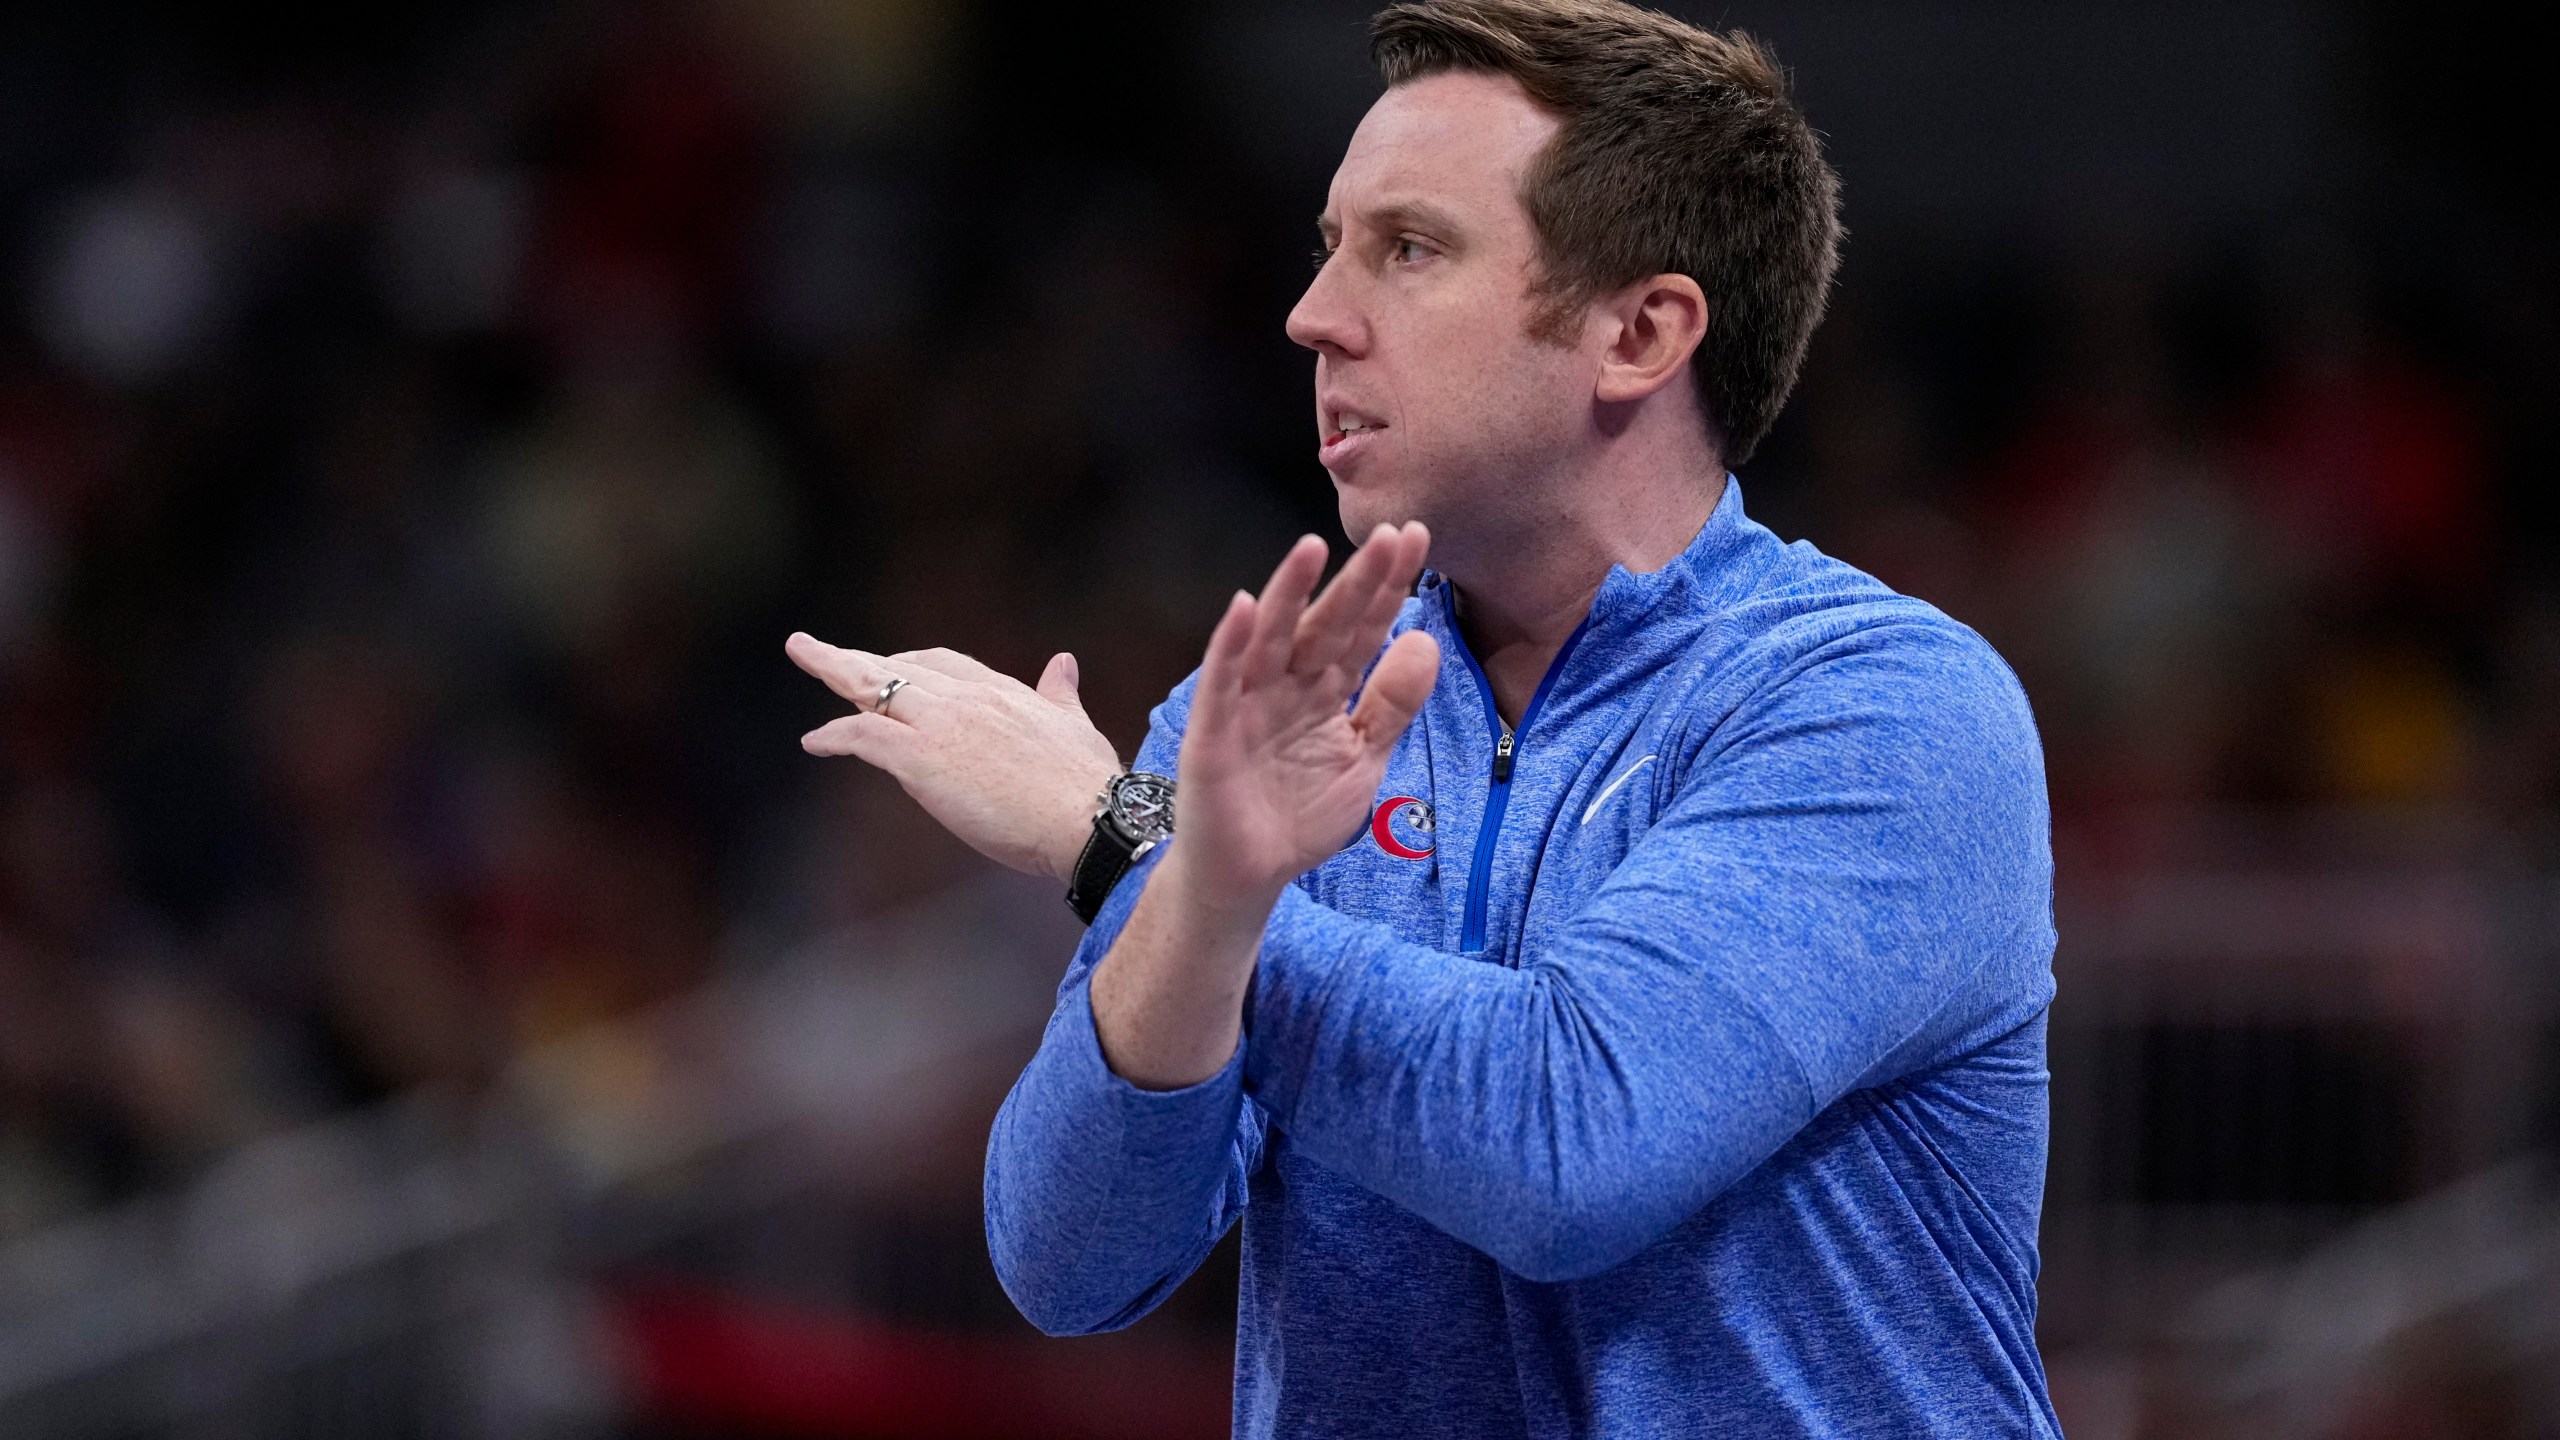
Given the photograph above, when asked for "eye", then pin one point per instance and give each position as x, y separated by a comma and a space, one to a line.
1322, 255
1405, 250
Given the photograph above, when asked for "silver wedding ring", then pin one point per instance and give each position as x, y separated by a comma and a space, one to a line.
888, 693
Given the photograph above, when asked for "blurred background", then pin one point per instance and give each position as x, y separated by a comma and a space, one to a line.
438, 998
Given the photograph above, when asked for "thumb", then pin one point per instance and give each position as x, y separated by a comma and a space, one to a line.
1058, 682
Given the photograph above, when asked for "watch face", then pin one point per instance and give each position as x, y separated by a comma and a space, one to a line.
1142, 805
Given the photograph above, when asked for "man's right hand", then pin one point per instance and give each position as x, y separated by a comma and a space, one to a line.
1278, 765
1013, 770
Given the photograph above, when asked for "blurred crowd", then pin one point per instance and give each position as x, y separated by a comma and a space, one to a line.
410, 463
2268, 571
418, 432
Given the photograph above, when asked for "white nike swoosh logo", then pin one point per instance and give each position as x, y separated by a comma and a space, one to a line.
1612, 788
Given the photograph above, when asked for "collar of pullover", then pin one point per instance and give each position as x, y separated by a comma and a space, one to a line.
1709, 575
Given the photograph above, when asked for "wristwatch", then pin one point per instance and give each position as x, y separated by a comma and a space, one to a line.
1136, 816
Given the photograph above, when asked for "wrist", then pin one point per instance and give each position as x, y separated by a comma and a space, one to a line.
1075, 827
1215, 907
1168, 1000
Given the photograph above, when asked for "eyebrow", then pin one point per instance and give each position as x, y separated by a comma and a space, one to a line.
1401, 214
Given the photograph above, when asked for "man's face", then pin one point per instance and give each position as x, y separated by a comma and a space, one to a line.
1432, 401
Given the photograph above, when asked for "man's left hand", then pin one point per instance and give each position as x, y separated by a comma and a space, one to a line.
1011, 769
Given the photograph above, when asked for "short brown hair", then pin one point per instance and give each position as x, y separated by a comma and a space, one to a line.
1680, 153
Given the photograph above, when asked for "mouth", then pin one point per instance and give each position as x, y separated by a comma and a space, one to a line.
1347, 428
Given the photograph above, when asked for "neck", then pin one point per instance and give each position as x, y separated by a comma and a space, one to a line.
1521, 594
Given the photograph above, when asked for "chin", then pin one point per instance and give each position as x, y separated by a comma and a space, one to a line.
1376, 490
1367, 506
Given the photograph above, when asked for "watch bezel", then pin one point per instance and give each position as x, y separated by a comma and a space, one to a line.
1119, 803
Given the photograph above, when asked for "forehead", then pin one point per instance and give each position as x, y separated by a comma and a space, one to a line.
1456, 141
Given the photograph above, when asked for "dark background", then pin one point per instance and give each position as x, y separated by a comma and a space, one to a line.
438, 997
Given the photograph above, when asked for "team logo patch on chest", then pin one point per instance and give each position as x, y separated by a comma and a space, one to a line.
1402, 826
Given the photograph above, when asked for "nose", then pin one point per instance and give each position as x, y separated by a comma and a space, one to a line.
1327, 318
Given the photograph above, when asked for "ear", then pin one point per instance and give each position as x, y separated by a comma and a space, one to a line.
1656, 325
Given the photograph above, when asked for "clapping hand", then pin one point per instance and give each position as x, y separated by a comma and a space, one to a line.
1279, 767
1010, 768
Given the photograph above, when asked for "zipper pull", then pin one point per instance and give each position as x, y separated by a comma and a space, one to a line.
1502, 760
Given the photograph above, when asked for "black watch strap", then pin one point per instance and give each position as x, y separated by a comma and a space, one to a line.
1107, 855
1136, 813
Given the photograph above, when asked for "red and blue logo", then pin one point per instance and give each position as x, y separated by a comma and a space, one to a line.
1402, 826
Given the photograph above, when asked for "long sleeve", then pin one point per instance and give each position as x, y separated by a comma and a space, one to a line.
1102, 1197
1815, 910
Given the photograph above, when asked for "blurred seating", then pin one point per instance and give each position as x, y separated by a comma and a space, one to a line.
437, 996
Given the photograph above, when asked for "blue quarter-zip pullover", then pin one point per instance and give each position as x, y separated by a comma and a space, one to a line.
1671, 1066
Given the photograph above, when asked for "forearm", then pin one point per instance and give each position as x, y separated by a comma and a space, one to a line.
1375, 1054
1558, 1117
1100, 1197
1168, 1000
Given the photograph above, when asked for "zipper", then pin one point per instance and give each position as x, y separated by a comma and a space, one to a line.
1506, 755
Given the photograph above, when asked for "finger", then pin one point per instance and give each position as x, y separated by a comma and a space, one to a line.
875, 739
1275, 621
1389, 565
858, 675
1326, 631
1222, 666
1400, 565
1413, 543
948, 663
1059, 682
1398, 685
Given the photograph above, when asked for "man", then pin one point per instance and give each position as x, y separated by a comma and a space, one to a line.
1608, 979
